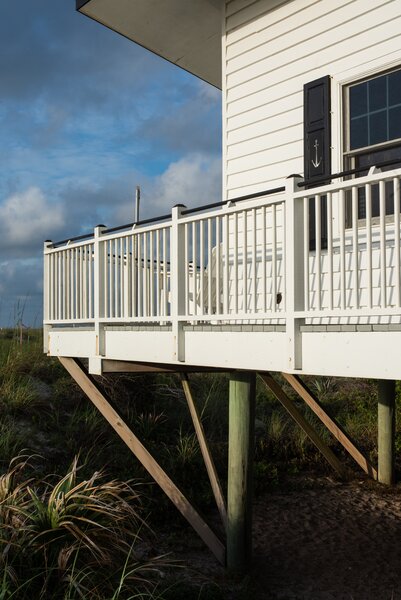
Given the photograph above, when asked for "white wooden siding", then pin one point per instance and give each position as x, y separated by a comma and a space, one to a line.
270, 50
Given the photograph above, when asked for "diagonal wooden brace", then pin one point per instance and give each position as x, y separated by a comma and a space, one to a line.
302, 422
204, 446
94, 393
335, 428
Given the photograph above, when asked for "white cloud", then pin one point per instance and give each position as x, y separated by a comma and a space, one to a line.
193, 180
28, 218
209, 93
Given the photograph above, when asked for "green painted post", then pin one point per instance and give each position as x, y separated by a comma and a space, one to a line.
386, 430
240, 473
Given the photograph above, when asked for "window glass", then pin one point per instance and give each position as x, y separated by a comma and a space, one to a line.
394, 88
374, 137
375, 157
378, 127
359, 132
377, 93
358, 97
395, 122
374, 111
367, 159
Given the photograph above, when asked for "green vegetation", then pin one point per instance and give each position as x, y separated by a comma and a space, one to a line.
76, 534
72, 539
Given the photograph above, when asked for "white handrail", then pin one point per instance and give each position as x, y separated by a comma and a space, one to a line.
249, 263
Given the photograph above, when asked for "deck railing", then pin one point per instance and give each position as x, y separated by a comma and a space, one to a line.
217, 265
241, 262
356, 271
69, 283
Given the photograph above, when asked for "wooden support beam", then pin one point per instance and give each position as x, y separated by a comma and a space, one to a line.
335, 428
122, 366
125, 366
386, 430
94, 393
302, 422
240, 470
204, 446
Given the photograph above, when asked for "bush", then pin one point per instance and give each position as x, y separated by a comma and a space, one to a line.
73, 539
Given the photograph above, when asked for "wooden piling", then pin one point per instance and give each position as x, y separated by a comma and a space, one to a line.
386, 430
240, 462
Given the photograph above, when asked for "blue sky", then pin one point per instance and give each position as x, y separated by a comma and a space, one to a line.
85, 116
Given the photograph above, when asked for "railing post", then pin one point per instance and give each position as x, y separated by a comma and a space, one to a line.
46, 295
294, 261
177, 281
98, 289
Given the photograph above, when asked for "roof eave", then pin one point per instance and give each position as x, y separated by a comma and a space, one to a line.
190, 39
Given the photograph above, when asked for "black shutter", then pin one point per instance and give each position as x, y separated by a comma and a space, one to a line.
317, 153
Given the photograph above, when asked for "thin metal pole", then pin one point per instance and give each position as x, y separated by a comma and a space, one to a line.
137, 202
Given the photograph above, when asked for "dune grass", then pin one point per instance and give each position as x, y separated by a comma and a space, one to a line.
74, 538
44, 414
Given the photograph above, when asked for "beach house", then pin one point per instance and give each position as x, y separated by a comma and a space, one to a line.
296, 268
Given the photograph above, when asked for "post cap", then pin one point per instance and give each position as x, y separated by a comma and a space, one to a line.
100, 225
294, 175
179, 206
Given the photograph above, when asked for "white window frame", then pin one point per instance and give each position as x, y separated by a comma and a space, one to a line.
349, 154
341, 81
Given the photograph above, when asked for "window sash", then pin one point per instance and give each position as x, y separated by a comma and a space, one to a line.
369, 156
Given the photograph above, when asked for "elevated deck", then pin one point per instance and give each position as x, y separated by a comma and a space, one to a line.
294, 280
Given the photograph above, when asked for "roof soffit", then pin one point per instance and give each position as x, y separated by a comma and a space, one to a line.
186, 33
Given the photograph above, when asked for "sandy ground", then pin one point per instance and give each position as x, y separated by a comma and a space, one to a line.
321, 540
331, 542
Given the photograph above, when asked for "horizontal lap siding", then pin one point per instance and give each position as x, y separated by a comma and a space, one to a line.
242, 11
271, 50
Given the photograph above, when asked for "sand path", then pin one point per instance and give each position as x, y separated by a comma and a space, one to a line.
319, 540
331, 542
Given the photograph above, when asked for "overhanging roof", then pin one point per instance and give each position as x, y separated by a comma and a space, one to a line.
184, 32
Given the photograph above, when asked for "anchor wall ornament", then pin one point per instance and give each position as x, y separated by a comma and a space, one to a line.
317, 162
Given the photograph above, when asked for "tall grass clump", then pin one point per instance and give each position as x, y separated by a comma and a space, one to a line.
24, 374
73, 538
